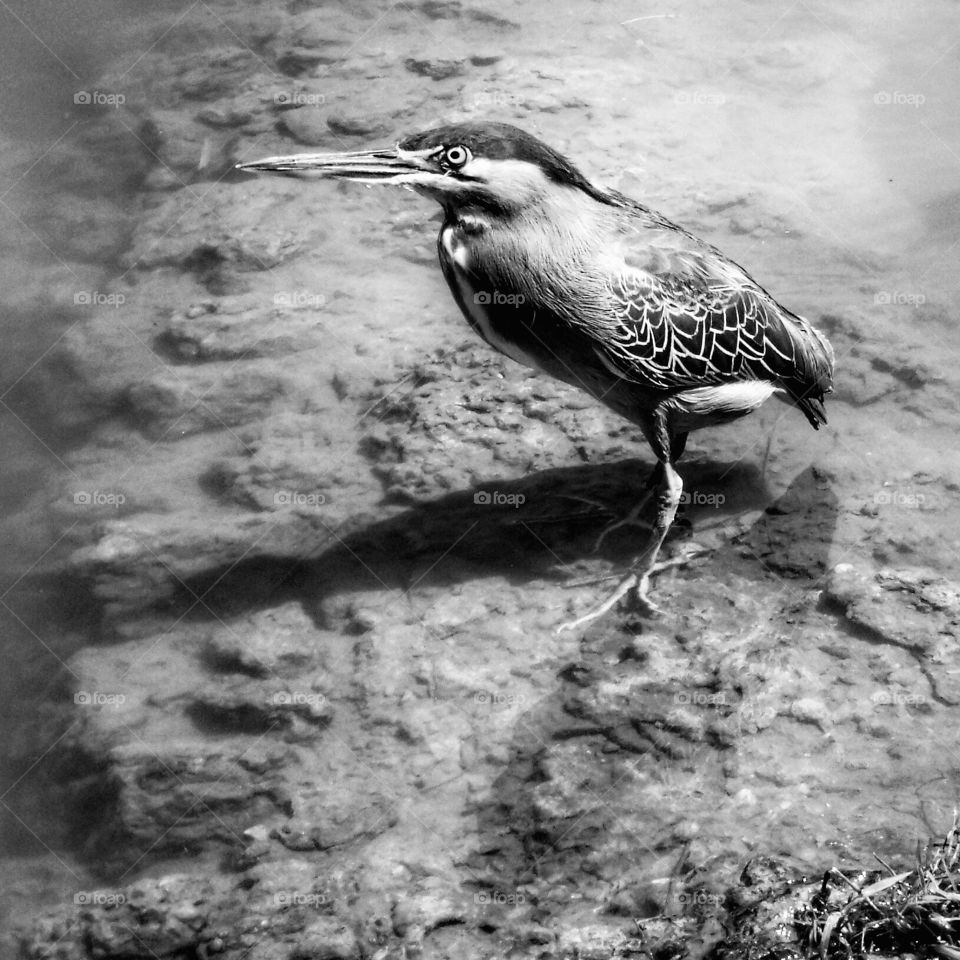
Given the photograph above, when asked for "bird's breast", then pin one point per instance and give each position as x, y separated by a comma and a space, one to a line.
498, 316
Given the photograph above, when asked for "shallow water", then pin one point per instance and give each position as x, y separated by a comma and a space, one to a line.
160, 466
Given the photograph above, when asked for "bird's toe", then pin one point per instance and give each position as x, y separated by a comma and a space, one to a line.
623, 589
640, 600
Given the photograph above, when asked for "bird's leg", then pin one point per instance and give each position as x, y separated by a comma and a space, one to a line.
668, 499
637, 582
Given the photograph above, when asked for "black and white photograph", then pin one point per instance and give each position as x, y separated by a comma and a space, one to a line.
480, 480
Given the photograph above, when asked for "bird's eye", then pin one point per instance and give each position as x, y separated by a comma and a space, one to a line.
456, 156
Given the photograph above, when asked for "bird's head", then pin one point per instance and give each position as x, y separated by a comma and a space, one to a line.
463, 166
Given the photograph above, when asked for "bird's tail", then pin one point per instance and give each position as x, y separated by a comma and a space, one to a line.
811, 378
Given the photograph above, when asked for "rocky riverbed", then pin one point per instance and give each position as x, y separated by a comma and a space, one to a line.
287, 580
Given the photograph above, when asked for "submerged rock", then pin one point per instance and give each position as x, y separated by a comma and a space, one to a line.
242, 328
277, 642
327, 939
308, 126
168, 801
338, 823
436, 68
166, 917
257, 707
914, 607
169, 406
213, 240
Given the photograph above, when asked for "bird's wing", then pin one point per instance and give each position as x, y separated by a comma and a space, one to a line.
680, 314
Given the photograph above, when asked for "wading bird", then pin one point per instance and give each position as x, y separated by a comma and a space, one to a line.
599, 291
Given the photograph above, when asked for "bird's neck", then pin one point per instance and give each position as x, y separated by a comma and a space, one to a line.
536, 251
560, 216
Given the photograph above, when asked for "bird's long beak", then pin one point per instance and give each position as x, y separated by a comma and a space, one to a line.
392, 165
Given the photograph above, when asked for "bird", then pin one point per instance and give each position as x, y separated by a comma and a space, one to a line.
597, 290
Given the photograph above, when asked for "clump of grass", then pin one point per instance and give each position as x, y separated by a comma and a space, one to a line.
915, 913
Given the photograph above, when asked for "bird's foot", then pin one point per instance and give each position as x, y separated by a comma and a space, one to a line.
635, 587
624, 587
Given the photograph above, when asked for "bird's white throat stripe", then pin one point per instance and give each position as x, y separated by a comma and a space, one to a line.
474, 299
458, 252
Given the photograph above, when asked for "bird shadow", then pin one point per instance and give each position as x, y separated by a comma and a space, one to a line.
544, 526
611, 810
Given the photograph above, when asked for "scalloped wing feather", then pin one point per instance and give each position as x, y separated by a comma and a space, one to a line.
684, 315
